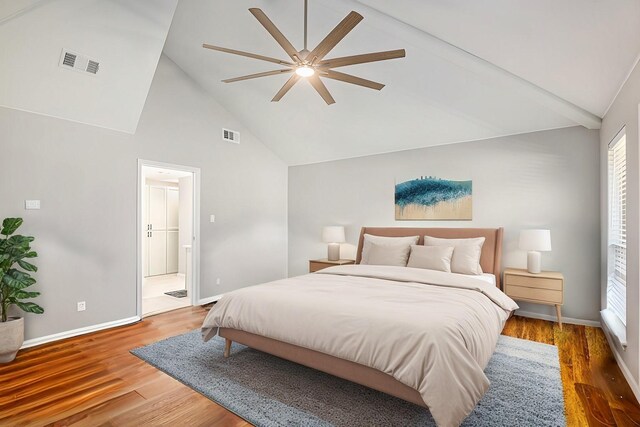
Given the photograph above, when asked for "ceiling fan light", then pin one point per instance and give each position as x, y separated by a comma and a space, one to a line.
305, 71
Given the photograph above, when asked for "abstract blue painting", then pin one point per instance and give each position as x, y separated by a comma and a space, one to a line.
434, 198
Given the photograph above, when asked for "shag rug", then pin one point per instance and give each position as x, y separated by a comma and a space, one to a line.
526, 389
182, 293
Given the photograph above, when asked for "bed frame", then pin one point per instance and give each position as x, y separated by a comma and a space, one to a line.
360, 374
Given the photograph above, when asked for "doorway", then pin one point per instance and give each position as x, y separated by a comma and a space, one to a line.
168, 200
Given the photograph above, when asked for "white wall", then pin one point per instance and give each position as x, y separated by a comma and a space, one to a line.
624, 112
86, 178
543, 179
186, 220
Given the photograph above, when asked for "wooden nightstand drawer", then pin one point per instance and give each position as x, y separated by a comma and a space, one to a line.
546, 287
533, 282
535, 294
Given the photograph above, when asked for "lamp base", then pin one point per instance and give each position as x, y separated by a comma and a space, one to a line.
533, 262
333, 251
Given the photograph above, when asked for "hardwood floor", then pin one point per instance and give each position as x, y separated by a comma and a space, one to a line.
595, 391
93, 380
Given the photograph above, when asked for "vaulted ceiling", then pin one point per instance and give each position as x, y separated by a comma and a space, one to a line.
473, 70
125, 37
580, 50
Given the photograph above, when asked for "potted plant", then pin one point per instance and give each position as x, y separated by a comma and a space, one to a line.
14, 279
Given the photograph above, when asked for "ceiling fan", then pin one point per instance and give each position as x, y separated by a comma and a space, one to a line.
311, 65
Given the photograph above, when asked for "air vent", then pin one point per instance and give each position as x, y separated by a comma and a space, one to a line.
231, 136
92, 67
81, 63
69, 59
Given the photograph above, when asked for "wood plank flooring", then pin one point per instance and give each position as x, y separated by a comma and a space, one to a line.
93, 380
595, 391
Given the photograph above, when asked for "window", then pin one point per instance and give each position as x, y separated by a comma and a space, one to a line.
617, 241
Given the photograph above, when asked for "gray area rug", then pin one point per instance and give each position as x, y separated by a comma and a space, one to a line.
526, 389
182, 293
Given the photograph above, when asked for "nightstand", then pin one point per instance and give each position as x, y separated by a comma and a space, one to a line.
541, 288
319, 264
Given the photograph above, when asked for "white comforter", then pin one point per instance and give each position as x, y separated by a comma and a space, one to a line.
430, 330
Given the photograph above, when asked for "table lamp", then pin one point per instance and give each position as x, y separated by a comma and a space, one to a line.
535, 241
333, 235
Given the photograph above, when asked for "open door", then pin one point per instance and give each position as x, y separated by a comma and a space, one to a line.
167, 231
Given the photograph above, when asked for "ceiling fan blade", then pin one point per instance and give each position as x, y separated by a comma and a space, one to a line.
334, 37
275, 33
256, 75
247, 54
362, 59
348, 78
321, 89
288, 85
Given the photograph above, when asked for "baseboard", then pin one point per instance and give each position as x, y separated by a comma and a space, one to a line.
571, 320
180, 275
209, 300
635, 388
80, 331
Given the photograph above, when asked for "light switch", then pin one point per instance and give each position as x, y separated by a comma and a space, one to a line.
212, 218
32, 204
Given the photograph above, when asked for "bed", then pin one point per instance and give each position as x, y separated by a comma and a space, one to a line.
403, 331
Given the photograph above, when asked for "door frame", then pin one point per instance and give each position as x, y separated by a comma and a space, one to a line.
194, 289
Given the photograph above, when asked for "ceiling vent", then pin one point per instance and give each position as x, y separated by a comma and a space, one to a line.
74, 61
93, 67
231, 136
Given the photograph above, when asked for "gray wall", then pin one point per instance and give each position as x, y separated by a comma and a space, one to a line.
545, 179
86, 179
624, 112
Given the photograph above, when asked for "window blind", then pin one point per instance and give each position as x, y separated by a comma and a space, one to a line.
617, 245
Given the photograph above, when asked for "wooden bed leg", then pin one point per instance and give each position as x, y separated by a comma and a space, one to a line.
227, 347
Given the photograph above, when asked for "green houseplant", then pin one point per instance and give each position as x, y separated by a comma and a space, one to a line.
15, 277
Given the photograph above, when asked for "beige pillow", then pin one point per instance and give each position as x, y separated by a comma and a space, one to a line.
370, 239
431, 257
466, 253
388, 255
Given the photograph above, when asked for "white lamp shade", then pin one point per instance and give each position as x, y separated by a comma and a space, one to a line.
535, 240
333, 234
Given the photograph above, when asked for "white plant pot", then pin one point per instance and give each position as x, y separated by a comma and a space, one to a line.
11, 338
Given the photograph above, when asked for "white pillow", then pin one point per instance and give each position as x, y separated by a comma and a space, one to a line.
386, 241
431, 257
388, 254
466, 253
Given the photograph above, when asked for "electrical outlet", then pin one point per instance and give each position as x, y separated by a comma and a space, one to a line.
82, 305
218, 281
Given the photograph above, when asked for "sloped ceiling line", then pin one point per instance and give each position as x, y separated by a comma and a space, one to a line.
33, 33
481, 66
18, 8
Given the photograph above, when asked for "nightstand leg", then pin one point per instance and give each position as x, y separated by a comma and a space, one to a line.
559, 313
227, 347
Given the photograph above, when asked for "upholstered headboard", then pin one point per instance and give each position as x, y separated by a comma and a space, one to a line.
491, 250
